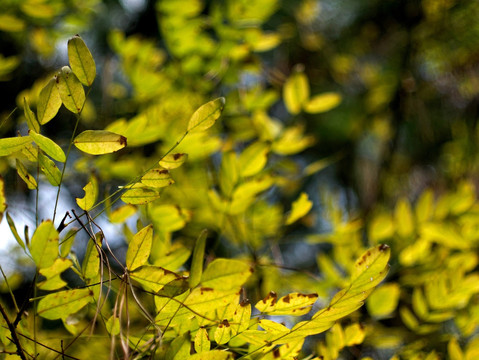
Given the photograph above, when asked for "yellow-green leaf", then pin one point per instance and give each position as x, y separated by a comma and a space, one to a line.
197, 260
202, 341
296, 91
91, 261
226, 274
113, 325
139, 248
26, 177
153, 277
253, 159
370, 269
81, 60
404, 218
48, 146
62, 304
11, 23
98, 142
51, 171
49, 102
32, 121
14, 231
120, 214
384, 300
157, 178
52, 273
172, 161
223, 332
241, 317
67, 242
299, 208
179, 349
454, 350
71, 90
44, 245
3, 200
292, 304
140, 195
206, 115
354, 334
91, 193
322, 102
13, 144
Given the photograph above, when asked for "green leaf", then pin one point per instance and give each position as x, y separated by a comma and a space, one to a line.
202, 341
140, 195
139, 248
3, 200
157, 178
292, 304
197, 260
81, 60
26, 177
226, 274
299, 208
153, 277
172, 161
32, 121
322, 103
14, 231
13, 144
296, 91
62, 304
44, 245
253, 159
91, 261
91, 193
71, 90
98, 142
206, 115
49, 102
51, 171
48, 146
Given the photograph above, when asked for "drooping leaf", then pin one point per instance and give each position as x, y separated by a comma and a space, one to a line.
98, 142
292, 304
202, 341
51, 171
14, 231
226, 274
322, 103
196, 270
32, 121
206, 115
49, 102
3, 200
91, 193
153, 277
172, 161
26, 177
13, 144
71, 90
140, 195
253, 159
44, 245
296, 91
91, 262
299, 208
48, 146
139, 248
157, 178
67, 242
62, 304
81, 60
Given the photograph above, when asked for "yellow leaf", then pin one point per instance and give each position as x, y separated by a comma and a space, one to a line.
296, 91
62, 304
81, 60
299, 208
30, 116
140, 195
153, 277
322, 103
98, 142
120, 214
48, 146
202, 341
404, 218
91, 261
292, 304
51, 171
197, 260
91, 193
206, 115
49, 102
26, 177
223, 332
44, 245
383, 301
70, 90
157, 178
172, 161
3, 200
253, 159
139, 248
11, 23
226, 274
13, 144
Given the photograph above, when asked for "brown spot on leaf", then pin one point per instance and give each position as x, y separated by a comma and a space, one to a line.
276, 353
177, 156
272, 295
204, 289
123, 140
287, 299
383, 247
244, 302
225, 323
163, 171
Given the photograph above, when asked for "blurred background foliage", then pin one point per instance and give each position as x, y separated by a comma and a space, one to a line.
370, 107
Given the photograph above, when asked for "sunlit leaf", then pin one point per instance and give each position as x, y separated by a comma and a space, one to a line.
404, 218
253, 159
48, 146
140, 195
112, 325
354, 334
226, 274
241, 317
67, 242
157, 178
52, 273
120, 214
296, 91
81, 60
139, 248
383, 301
3, 200
223, 332
44, 245
202, 341
300, 208
179, 348
91, 193
322, 103
13, 144
26, 177
49, 102
196, 270
30, 116
172, 161
292, 304
370, 269
51, 171
206, 115
71, 90
62, 304
14, 231
153, 277
91, 261
98, 142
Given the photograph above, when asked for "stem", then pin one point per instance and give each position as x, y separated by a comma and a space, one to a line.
13, 332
